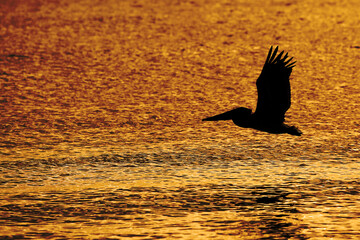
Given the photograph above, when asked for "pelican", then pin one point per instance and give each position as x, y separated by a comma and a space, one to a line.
274, 98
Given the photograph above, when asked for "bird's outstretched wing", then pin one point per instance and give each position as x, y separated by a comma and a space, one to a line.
273, 86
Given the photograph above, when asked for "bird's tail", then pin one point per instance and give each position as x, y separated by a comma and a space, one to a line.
292, 130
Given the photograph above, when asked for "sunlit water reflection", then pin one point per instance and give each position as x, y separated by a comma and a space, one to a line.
100, 115
154, 195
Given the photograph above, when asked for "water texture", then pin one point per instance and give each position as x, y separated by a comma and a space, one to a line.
100, 113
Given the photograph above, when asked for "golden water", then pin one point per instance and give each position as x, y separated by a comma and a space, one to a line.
100, 113
183, 194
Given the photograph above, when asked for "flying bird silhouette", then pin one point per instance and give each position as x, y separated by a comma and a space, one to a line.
274, 98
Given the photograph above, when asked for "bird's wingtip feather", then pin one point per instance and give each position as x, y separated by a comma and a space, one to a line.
274, 54
269, 54
291, 65
277, 59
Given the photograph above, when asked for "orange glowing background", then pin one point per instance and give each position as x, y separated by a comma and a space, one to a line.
86, 78
132, 68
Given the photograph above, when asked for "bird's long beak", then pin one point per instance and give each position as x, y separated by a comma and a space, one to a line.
223, 116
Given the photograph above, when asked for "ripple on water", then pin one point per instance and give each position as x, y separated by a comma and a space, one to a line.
143, 195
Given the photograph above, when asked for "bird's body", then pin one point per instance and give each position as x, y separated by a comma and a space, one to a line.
274, 99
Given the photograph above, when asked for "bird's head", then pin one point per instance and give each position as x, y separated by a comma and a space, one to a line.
241, 116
